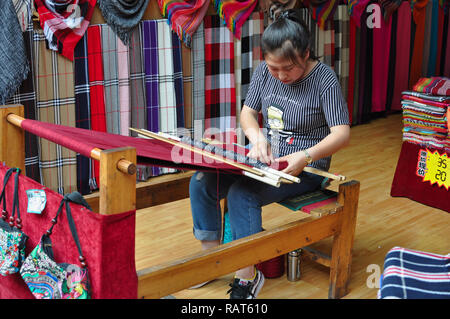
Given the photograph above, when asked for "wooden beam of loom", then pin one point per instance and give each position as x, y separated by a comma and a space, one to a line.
123, 165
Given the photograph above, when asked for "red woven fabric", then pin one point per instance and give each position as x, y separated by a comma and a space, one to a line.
107, 243
149, 151
96, 91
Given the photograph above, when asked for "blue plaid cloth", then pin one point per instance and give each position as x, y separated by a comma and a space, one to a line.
411, 274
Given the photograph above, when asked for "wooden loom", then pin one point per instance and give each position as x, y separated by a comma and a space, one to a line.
119, 193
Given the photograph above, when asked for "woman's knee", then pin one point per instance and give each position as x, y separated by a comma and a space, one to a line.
198, 183
242, 194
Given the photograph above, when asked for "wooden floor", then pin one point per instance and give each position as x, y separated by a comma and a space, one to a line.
165, 232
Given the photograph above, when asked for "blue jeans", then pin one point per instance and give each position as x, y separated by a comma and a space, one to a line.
245, 197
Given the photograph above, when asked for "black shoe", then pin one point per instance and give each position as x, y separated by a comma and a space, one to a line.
245, 289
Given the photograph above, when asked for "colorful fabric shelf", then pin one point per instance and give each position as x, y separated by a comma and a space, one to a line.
425, 121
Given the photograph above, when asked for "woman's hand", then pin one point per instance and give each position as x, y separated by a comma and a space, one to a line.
296, 163
262, 152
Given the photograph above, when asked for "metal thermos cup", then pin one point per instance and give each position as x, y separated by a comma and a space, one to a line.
293, 265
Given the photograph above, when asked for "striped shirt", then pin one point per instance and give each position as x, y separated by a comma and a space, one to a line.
297, 116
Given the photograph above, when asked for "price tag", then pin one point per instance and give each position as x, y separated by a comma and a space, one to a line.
36, 201
434, 167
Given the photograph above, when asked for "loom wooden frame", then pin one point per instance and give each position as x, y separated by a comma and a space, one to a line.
119, 193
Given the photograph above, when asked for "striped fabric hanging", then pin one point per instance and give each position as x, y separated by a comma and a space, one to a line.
402, 50
186, 56
96, 82
352, 74
247, 57
82, 113
220, 93
110, 78
151, 67
178, 79
138, 101
419, 19
123, 74
380, 72
138, 96
26, 95
342, 38
55, 104
166, 82
198, 82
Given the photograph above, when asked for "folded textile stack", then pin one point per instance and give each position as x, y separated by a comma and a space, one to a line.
425, 113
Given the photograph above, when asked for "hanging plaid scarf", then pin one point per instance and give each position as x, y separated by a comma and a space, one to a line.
166, 83
198, 82
13, 57
234, 13
26, 95
110, 78
55, 104
178, 79
150, 56
247, 56
138, 96
341, 35
220, 92
23, 10
184, 16
123, 16
82, 112
64, 23
138, 102
123, 74
96, 88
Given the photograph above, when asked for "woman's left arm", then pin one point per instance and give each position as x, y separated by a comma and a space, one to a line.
338, 138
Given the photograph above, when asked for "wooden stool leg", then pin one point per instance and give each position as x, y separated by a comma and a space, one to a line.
341, 256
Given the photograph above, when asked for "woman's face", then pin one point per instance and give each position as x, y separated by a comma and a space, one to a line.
284, 69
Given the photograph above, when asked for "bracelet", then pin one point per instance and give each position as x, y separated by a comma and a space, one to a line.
308, 157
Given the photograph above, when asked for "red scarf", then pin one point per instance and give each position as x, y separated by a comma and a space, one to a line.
64, 22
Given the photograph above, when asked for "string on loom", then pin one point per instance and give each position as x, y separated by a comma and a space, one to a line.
217, 191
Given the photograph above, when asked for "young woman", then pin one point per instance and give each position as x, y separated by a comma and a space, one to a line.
305, 121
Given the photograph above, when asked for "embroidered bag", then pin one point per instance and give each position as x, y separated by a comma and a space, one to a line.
12, 239
47, 279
